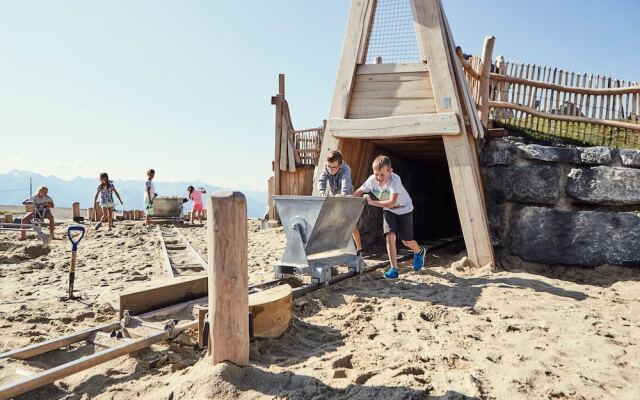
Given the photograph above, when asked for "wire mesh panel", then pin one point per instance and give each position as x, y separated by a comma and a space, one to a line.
392, 38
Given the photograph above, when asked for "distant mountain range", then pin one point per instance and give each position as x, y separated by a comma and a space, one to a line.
14, 188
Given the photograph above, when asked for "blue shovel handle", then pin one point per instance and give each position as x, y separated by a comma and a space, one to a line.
74, 243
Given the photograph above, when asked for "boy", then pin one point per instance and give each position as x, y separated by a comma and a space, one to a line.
337, 174
149, 195
42, 204
397, 214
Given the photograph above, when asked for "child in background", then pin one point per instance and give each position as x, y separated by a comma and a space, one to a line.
149, 195
106, 189
42, 204
387, 187
196, 197
335, 180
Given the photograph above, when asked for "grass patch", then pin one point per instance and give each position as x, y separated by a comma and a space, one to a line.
576, 133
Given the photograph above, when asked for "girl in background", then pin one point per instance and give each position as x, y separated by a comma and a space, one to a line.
195, 195
106, 191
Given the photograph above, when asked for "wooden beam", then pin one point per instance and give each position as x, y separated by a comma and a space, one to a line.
487, 51
166, 262
353, 49
432, 42
562, 88
161, 293
395, 127
228, 278
391, 68
567, 118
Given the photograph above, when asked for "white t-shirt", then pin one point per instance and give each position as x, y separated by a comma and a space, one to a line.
394, 185
147, 185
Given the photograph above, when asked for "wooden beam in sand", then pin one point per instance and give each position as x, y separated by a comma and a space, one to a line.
228, 278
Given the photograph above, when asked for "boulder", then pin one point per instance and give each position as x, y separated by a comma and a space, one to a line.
616, 186
563, 155
595, 155
586, 238
499, 152
535, 184
496, 219
629, 157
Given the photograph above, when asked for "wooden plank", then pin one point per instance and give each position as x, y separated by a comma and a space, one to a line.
402, 103
374, 86
353, 49
466, 185
390, 111
399, 77
56, 343
228, 278
394, 94
164, 254
51, 375
395, 127
391, 68
271, 311
603, 91
161, 293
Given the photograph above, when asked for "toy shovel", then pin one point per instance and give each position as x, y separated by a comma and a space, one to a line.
74, 248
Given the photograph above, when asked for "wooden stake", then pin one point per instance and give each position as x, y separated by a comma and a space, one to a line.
76, 210
228, 278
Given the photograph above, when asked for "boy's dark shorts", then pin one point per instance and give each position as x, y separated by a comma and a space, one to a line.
401, 225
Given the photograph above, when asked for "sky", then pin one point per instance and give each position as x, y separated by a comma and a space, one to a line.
185, 87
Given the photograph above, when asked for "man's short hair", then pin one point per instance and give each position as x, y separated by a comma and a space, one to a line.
380, 162
334, 156
151, 171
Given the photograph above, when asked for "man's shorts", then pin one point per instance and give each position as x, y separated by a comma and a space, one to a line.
401, 225
148, 207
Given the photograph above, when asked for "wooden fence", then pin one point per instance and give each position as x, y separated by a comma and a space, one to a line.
296, 153
555, 104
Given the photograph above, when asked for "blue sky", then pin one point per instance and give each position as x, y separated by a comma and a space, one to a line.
185, 87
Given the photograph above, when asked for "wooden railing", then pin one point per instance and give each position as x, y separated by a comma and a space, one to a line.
307, 143
554, 104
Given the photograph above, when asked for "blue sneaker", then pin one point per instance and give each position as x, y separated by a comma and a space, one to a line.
418, 259
392, 273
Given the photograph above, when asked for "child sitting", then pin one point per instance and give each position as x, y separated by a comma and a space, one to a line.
106, 189
195, 195
387, 187
42, 205
337, 174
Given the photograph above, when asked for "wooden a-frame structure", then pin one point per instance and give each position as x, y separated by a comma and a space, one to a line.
408, 102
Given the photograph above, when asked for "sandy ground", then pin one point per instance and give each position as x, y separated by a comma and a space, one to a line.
447, 332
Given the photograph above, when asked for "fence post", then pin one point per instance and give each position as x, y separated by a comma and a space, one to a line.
487, 51
228, 278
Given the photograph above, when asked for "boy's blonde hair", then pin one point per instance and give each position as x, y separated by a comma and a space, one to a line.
380, 162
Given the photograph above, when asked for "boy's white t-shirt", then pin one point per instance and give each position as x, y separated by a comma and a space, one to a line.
147, 185
383, 193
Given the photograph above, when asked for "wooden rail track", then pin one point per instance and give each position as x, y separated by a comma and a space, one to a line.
179, 256
158, 333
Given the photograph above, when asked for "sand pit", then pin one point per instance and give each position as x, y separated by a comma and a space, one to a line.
449, 332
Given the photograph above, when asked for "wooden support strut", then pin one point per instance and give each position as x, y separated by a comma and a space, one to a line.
228, 278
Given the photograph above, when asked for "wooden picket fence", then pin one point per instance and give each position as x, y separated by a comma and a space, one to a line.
554, 104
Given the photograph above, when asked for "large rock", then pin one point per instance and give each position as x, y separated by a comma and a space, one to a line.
630, 158
595, 155
536, 184
615, 186
587, 238
499, 152
564, 155
496, 218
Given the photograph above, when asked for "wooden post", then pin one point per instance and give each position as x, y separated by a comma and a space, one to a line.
90, 214
98, 210
487, 51
76, 210
228, 278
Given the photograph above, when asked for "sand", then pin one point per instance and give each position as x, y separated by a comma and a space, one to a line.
449, 331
